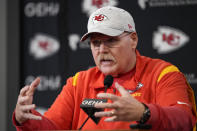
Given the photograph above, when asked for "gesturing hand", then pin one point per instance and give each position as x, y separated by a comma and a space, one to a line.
124, 107
24, 103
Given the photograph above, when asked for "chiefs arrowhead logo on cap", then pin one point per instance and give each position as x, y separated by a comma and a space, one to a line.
99, 18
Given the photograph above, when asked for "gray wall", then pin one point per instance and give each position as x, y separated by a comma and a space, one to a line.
9, 61
3, 65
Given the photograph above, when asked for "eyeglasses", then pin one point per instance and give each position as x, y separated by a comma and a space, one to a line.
112, 42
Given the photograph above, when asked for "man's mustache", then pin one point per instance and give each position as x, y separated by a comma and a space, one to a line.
106, 57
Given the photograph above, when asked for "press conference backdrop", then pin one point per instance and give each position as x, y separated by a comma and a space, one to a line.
51, 32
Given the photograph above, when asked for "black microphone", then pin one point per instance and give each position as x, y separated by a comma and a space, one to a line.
108, 81
88, 104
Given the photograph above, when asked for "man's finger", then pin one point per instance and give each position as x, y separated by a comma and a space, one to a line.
103, 114
33, 86
32, 116
106, 105
24, 90
108, 96
23, 99
121, 89
111, 119
27, 108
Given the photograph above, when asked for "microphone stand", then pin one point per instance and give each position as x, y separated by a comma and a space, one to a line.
84, 123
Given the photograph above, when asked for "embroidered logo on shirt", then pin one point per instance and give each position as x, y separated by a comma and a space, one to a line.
136, 94
139, 85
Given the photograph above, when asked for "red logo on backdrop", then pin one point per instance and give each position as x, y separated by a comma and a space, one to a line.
171, 39
99, 3
99, 18
44, 45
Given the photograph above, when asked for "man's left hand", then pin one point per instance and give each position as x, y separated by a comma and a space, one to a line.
123, 108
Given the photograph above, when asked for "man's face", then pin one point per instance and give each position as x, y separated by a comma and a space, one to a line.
114, 55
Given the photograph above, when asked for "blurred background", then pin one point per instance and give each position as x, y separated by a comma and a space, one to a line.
42, 38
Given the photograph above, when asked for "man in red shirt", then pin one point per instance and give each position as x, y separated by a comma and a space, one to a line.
145, 91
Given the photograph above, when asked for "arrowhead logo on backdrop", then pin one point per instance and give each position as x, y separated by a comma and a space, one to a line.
168, 39
89, 6
42, 46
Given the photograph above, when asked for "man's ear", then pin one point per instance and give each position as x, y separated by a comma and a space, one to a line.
134, 38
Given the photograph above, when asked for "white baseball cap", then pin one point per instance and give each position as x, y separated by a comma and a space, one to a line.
111, 21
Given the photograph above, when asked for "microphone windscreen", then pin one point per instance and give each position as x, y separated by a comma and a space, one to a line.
108, 81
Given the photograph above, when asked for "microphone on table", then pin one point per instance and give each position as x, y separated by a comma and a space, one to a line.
88, 104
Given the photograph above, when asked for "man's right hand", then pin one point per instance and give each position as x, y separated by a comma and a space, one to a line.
24, 103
